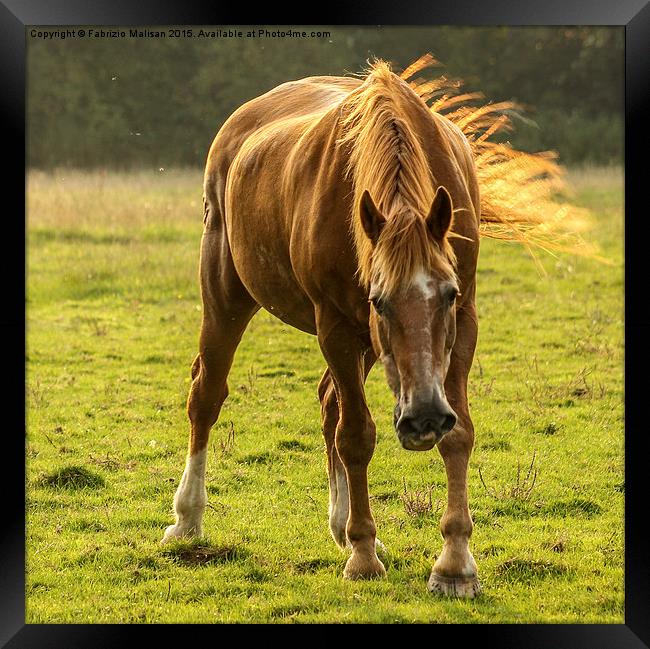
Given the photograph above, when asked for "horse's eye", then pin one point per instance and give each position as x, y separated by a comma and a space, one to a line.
453, 294
379, 305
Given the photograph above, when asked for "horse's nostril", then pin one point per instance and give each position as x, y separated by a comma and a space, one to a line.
439, 424
406, 426
448, 423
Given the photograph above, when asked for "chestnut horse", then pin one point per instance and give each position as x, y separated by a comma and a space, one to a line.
349, 210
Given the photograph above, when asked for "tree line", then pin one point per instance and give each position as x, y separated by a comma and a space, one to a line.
130, 102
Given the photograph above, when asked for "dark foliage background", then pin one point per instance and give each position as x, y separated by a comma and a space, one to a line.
143, 102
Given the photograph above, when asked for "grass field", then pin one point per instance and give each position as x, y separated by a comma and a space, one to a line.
113, 316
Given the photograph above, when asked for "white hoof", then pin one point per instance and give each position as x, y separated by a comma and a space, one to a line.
174, 532
464, 587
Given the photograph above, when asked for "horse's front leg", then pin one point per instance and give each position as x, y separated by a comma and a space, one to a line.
355, 443
338, 483
455, 573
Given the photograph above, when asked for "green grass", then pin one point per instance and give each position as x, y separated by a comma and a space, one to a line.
113, 318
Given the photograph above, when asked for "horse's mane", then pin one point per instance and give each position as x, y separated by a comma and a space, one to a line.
387, 159
519, 191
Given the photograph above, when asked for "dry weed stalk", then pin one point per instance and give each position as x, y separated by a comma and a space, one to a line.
521, 490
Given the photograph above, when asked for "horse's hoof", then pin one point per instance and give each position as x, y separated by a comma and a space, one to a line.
454, 586
175, 532
363, 568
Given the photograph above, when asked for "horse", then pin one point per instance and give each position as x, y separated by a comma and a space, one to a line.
350, 210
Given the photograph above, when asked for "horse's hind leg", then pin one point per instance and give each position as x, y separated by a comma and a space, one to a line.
339, 506
227, 310
338, 483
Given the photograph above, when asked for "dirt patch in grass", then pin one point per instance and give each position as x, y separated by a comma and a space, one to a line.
203, 555
292, 445
72, 477
551, 428
313, 565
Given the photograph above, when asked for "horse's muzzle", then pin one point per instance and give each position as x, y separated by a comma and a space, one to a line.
422, 431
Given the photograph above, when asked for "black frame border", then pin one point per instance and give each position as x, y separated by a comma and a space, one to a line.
634, 15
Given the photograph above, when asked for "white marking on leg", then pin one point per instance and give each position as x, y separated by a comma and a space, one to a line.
190, 498
339, 504
450, 549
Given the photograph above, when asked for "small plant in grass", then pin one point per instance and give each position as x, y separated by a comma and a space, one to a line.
248, 388
110, 463
227, 445
36, 395
482, 387
557, 545
98, 327
522, 488
542, 391
418, 502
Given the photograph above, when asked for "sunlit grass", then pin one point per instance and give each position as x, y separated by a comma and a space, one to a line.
112, 327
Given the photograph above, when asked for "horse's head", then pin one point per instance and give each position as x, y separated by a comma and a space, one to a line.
413, 323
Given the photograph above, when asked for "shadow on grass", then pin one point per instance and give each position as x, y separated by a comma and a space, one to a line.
265, 457
72, 477
517, 509
527, 570
573, 507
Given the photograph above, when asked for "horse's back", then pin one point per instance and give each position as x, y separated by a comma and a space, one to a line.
284, 103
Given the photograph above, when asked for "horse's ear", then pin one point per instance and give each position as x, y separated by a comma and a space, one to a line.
372, 219
439, 218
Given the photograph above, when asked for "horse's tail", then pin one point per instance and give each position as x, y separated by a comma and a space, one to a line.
520, 192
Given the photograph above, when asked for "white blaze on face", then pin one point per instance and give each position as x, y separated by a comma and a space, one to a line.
424, 283
428, 288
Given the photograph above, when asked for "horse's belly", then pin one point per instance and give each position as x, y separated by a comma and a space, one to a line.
266, 272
